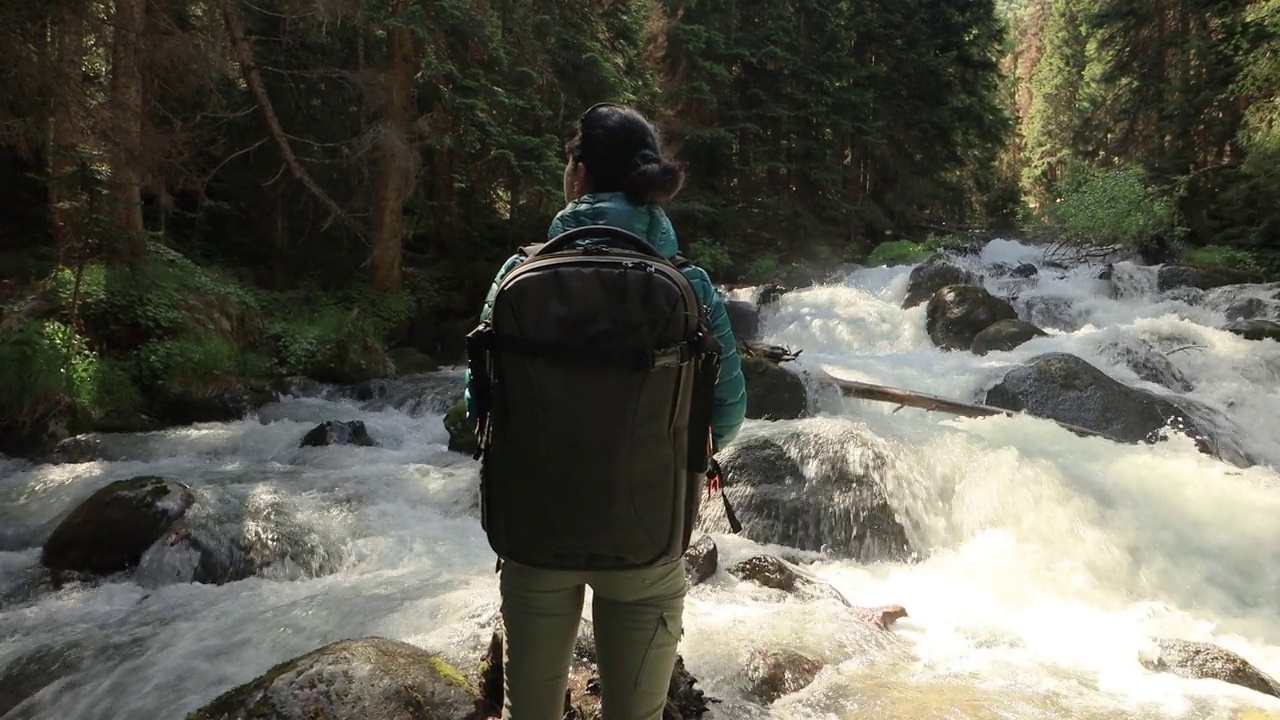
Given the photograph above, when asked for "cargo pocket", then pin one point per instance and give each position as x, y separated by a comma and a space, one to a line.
660, 653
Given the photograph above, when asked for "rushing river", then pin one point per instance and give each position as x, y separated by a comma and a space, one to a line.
1046, 559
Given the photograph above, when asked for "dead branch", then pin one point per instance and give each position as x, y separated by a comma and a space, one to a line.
253, 80
923, 401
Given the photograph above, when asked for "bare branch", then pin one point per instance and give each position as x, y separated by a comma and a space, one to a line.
244, 57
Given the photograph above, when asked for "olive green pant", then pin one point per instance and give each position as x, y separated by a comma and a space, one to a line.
637, 621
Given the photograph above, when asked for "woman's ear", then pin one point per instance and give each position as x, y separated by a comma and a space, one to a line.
575, 180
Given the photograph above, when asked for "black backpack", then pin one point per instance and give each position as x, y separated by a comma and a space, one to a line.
593, 379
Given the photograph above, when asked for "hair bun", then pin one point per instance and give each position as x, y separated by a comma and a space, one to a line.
646, 157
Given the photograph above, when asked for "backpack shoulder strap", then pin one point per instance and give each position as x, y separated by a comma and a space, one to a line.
681, 262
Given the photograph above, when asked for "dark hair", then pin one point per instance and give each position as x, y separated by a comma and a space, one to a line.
622, 153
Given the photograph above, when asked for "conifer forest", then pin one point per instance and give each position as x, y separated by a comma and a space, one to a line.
201, 197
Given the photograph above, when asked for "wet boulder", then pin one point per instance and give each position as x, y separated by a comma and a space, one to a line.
1004, 335
183, 401
685, 701
1169, 277
359, 678
929, 277
1201, 661
1050, 311
111, 530
1146, 362
1024, 270
773, 392
771, 674
462, 436
768, 571
812, 484
882, 617
701, 560
1247, 308
1255, 329
744, 319
223, 539
1065, 388
957, 313
411, 361
338, 432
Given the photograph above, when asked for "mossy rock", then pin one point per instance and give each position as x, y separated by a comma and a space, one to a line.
774, 673
462, 437
1004, 335
113, 527
773, 392
370, 678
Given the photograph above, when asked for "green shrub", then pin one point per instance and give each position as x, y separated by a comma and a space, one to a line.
193, 356
1110, 207
1234, 258
711, 255
908, 252
898, 252
166, 296
50, 376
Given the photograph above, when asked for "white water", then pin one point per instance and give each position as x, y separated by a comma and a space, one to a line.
1047, 558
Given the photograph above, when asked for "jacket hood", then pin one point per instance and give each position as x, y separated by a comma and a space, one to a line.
648, 221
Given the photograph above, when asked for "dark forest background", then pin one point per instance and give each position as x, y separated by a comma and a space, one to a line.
201, 197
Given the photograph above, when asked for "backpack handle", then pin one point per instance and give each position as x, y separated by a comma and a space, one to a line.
624, 237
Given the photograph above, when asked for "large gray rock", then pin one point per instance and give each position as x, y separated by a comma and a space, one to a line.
1201, 660
1004, 335
1064, 387
744, 319
1147, 362
811, 484
1169, 277
773, 673
931, 276
338, 432
1254, 329
113, 527
368, 678
773, 392
957, 313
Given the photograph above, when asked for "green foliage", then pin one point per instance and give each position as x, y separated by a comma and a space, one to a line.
166, 295
1114, 206
763, 269
907, 252
1234, 258
49, 373
711, 255
337, 335
898, 252
193, 355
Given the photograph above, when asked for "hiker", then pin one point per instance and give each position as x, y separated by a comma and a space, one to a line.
600, 383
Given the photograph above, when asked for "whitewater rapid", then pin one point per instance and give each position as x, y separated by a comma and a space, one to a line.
1046, 559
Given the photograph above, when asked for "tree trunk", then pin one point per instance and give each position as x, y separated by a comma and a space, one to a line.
909, 398
65, 131
126, 126
397, 160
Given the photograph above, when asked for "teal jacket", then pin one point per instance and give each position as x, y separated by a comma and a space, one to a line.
651, 223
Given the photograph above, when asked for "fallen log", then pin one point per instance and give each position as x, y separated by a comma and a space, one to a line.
924, 401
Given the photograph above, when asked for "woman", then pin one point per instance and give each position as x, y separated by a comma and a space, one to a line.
615, 175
